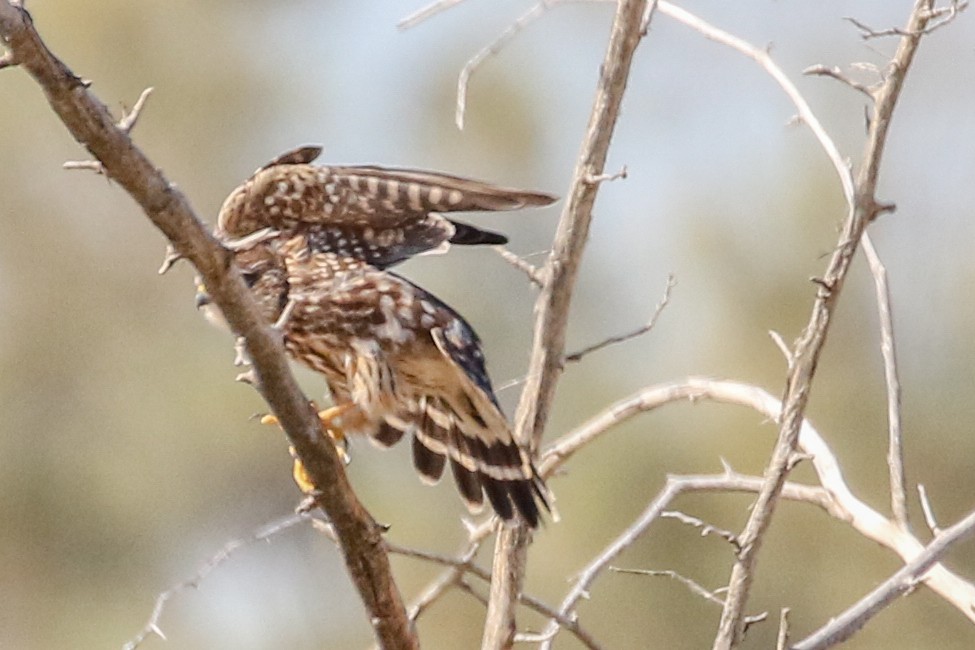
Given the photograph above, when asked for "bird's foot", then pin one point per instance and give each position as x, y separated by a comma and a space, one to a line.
328, 418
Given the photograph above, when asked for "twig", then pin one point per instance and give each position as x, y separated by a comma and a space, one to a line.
552, 306
928, 511
125, 125
762, 58
640, 331
895, 450
706, 529
782, 641
608, 178
695, 588
846, 624
90, 123
534, 274
781, 345
675, 486
426, 13
936, 17
261, 534
835, 73
491, 50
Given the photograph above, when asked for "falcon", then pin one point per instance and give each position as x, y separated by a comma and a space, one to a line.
314, 244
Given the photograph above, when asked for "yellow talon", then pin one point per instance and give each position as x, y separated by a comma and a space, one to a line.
302, 480
327, 417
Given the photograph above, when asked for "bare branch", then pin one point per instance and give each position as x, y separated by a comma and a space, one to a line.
620, 338
552, 307
836, 499
193, 582
90, 123
675, 486
849, 622
895, 451
860, 195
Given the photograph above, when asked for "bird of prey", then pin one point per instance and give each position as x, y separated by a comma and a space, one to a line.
314, 244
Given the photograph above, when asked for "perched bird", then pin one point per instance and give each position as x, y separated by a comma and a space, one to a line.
396, 359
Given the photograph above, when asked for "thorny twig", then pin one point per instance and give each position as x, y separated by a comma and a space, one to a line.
695, 587
706, 529
125, 124
620, 338
263, 533
535, 274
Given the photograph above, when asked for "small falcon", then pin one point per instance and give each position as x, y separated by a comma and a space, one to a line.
313, 244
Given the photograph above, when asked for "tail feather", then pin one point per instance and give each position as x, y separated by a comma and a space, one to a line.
469, 486
468, 235
428, 463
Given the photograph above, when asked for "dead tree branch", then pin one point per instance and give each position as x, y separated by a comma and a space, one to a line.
835, 496
552, 307
864, 207
90, 123
849, 622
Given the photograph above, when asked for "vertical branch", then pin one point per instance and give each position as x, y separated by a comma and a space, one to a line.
810, 345
895, 446
553, 303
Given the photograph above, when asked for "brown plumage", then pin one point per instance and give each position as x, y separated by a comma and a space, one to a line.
396, 359
379, 215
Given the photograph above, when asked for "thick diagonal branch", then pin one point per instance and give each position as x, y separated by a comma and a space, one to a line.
91, 125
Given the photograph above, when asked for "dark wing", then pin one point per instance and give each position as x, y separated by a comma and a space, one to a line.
463, 423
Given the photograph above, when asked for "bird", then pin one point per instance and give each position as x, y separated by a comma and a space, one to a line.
396, 359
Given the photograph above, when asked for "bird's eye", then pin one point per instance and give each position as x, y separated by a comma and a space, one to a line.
250, 277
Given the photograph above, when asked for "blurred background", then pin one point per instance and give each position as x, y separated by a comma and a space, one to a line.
128, 457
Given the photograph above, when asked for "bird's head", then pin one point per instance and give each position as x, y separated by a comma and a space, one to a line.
266, 276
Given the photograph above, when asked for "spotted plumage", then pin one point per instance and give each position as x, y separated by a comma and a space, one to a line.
315, 242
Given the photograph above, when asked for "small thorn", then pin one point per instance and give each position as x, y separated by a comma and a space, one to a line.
169, 259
